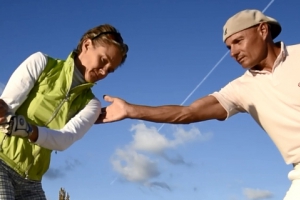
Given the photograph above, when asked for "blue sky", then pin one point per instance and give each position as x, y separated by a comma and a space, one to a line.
173, 45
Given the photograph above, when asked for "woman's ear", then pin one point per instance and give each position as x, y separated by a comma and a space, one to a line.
86, 44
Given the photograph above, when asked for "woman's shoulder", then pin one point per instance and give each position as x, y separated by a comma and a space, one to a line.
37, 57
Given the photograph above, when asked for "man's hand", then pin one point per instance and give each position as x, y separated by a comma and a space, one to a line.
116, 111
16, 125
4, 109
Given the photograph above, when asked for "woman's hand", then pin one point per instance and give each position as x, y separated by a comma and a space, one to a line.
4, 110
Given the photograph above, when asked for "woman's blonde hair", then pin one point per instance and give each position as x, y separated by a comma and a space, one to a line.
104, 34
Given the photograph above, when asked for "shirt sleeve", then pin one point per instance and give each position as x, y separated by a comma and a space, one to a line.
74, 130
19, 86
228, 97
23, 79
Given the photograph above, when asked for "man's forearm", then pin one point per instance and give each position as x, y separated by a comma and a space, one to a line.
174, 114
202, 109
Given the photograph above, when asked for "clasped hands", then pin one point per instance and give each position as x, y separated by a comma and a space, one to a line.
116, 111
13, 125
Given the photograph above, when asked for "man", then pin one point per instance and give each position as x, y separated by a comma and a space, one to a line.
269, 90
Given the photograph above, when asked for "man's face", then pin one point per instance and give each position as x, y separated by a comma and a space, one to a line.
248, 47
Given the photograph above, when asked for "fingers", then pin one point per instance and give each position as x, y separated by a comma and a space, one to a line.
2, 120
5, 119
108, 98
3, 108
103, 111
3, 105
102, 116
99, 120
103, 120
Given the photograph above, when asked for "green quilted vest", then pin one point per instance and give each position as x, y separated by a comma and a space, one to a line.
51, 103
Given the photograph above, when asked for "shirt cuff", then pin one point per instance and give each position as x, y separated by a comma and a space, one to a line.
222, 102
42, 137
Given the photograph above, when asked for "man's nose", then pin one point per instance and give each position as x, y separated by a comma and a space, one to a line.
233, 52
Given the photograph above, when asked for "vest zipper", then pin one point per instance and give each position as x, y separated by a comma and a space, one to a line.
51, 118
58, 108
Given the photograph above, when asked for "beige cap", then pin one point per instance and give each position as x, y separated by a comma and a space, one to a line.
246, 19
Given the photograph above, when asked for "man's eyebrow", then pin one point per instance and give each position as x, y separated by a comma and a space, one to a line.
237, 39
234, 41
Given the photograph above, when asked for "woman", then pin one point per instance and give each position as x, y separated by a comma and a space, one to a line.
48, 104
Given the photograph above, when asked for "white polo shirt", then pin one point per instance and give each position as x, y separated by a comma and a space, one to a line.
272, 99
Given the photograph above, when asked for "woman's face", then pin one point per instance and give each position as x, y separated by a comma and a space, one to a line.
97, 61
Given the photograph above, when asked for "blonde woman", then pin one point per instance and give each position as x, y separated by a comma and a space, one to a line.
48, 104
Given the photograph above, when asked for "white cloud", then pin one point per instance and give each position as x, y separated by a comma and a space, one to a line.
135, 162
134, 166
150, 140
257, 194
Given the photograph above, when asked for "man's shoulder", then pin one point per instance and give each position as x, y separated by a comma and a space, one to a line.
245, 76
294, 45
242, 80
294, 48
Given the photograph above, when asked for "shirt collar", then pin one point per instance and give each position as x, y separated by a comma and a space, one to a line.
280, 58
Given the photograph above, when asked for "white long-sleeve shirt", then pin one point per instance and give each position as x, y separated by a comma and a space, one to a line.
19, 86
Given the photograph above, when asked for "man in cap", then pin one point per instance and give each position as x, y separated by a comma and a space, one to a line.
269, 90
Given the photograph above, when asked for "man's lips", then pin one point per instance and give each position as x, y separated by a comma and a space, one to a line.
240, 59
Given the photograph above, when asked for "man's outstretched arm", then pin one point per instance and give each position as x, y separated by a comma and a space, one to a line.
200, 110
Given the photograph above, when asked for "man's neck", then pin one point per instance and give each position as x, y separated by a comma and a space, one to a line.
272, 54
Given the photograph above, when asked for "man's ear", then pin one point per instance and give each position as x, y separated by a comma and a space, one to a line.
264, 30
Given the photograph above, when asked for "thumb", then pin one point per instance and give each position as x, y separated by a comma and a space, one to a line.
108, 98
